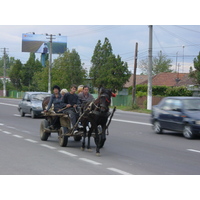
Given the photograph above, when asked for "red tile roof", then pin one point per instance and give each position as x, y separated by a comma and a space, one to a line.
171, 79
139, 80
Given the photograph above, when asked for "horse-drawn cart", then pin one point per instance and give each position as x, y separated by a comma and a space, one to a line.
66, 129
64, 132
93, 121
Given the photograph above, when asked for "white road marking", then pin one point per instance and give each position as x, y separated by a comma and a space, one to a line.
132, 122
90, 161
26, 132
17, 115
10, 127
67, 153
1, 124
6, 132
8, 104
197, 151
18, 136
29, 140
119, 171
47, 146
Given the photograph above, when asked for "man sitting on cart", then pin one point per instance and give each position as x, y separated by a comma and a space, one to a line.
56, 99
85, 96
71, 100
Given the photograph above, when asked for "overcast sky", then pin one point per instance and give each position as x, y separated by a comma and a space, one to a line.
110, 19
169, 39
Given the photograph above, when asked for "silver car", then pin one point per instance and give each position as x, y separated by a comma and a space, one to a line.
32, 103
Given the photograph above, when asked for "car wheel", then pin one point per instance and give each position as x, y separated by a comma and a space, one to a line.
157, 127
32, 114
187, 132
21, 113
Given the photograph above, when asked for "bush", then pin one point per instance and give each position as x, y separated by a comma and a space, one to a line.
141, 90
178, 91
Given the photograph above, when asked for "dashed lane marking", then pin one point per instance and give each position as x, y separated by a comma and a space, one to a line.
47, 146
132, 122
90, 161
67, 153
18, 136
119, 171
8, 104
29, 140
193, 150
6, 132
17, 115
1, 124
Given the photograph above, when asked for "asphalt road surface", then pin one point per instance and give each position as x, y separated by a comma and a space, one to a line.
131, 148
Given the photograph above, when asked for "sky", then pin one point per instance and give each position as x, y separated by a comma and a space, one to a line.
181, 43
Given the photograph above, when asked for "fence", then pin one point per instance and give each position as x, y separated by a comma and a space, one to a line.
126, 100
13, 94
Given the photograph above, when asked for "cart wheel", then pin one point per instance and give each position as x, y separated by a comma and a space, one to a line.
77, 138
63, 139
43, 133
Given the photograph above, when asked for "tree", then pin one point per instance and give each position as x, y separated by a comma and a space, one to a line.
15, 75
67, 70
28, 70
108, 70
195, 74
160, 64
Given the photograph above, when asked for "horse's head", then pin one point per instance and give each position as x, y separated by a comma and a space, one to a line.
104, 99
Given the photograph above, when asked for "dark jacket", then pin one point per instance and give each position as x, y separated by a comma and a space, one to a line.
56, 101
71, 99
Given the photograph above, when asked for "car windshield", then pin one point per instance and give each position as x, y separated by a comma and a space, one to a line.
191, 104
39, 96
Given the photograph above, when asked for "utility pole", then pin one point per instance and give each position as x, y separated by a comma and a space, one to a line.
134, 76
50, 61
149, 97
4, 71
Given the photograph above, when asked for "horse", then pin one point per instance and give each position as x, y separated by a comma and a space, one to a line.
97, 113
45, 102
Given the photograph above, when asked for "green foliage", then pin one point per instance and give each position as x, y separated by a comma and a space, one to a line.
178, 91
28, 70
108, 70
196, 73
67, 70
141, 94
141, 90
160, 64
15, 75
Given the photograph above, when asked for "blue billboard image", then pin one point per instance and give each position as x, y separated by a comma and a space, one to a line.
39, 43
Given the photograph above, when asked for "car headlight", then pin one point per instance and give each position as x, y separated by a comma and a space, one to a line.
197, 122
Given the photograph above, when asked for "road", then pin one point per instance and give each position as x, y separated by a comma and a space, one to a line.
130, 149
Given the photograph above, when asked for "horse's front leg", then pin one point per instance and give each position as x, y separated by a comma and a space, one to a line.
97, 141
89, 136
84, 136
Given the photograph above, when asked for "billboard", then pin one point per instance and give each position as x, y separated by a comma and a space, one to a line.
39, 43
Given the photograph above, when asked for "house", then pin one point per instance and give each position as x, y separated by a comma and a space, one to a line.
171, 79
139, 79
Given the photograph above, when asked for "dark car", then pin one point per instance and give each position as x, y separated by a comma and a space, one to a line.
32, 103
181, 114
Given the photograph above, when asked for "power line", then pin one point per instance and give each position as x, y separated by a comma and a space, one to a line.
187, 29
